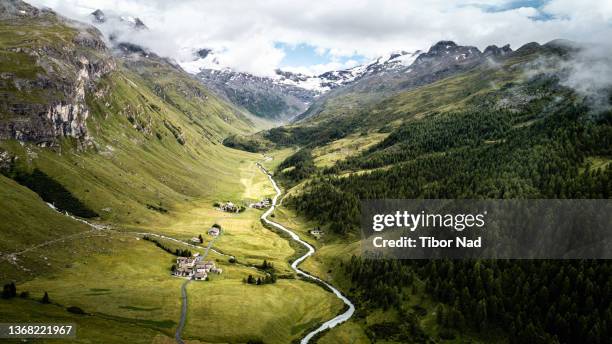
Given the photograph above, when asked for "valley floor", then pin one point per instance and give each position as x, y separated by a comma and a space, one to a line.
124, 286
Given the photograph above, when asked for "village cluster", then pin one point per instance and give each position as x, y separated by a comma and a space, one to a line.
195, 267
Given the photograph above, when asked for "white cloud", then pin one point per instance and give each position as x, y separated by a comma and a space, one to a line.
320, 68
245, 31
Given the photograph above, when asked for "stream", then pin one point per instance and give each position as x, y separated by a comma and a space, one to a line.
351, 308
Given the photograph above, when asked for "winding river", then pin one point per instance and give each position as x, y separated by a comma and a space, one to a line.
351, 308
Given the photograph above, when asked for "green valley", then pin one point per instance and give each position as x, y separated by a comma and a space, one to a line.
158, 187
149, 160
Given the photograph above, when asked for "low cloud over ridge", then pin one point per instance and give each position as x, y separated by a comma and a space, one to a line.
245, 32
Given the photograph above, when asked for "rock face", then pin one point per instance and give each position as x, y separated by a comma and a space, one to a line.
45, 84
262, 96
493, 50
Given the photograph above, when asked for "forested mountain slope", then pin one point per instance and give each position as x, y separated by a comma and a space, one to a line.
509, 128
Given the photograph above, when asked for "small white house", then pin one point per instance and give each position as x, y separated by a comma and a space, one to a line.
317, 233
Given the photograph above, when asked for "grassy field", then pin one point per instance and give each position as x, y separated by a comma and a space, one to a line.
328, 155
90, 328
278, 313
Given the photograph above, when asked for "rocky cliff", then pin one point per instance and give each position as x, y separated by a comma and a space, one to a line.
48, 71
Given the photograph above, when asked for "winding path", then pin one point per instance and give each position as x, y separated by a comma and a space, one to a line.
181, 325
351, 308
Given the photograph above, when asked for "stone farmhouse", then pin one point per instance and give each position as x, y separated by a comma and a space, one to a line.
265, 203
214, 231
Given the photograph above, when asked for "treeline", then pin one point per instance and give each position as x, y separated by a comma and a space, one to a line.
177, 251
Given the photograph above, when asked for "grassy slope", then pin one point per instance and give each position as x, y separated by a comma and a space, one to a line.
27, 213
138, 161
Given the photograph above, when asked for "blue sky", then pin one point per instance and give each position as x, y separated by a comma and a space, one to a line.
307, 55
537, 4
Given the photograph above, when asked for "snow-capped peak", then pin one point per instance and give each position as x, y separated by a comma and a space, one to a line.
202, 59
206, 60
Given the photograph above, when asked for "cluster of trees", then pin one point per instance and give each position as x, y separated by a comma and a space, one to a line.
441, 133
268, 279
158, 208
9, 291
325, 202
266, 266
250, 143
534, 301
177, 252
379, 283
310, 135
299, 166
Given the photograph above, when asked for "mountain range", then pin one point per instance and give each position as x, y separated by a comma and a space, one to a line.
289, 96
285, 95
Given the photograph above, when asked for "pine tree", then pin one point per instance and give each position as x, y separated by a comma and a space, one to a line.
9, 290
45, 298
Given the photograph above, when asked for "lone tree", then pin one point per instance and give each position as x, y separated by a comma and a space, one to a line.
201, 239
9, 291
250, 279
45, 298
